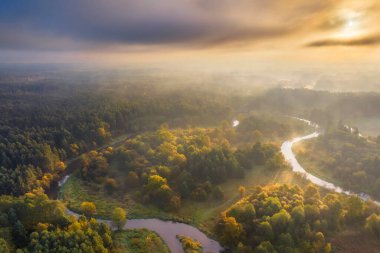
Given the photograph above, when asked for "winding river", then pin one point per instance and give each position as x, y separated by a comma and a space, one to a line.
286, 150
168, 230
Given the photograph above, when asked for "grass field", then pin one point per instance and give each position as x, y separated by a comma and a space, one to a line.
310, 165
202, 214
75, 191
139, 241
354, 241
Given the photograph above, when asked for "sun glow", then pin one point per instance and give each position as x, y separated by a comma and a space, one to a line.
351, 25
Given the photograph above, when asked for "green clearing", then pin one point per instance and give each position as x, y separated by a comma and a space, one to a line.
76, 191
310, 164
202, 214
139, 241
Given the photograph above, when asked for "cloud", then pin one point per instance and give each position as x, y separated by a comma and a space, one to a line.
362, 41
78, 24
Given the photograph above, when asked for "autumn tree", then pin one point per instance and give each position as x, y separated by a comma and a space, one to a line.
373, 224
241, 191
355, 208
88, 208
132, 179
231, 231
119, 217
110, 185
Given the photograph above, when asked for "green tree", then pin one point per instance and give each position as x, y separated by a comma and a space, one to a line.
243, 249
110, 185
311, 195
218, 193
132, 179
264, 230
175, 202
298, 215
355, 209
264, 247
4, 246
373, 224
19, 233
280, 221
243, 212
312, 213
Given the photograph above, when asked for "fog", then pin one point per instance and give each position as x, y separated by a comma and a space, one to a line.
341, 79
169, 126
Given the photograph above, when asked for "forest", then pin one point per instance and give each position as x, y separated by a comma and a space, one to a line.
346, 156
172, 152
43, 126
195, 126
283, 218
167, 166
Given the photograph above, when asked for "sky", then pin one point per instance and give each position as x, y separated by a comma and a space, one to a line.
191, 32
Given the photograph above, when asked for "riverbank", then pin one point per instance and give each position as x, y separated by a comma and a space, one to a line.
290, 157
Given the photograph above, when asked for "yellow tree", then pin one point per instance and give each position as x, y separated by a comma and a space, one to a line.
232, 230
119, 217
88, 208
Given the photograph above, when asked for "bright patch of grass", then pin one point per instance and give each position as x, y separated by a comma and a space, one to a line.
139, 241
74, 192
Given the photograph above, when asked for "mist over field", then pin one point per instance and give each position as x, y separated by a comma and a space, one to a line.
342, 79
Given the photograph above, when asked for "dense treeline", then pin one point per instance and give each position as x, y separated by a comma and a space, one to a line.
34, 223
286, 219
347, 157
81, 235
256, 127
167, 166
42, 126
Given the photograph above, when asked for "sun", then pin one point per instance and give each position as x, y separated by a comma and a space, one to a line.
351, 25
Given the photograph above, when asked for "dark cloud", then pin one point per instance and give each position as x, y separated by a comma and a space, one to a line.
78, 24
363, 41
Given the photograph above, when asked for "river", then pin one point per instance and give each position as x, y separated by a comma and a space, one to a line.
286, 150
168, 230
